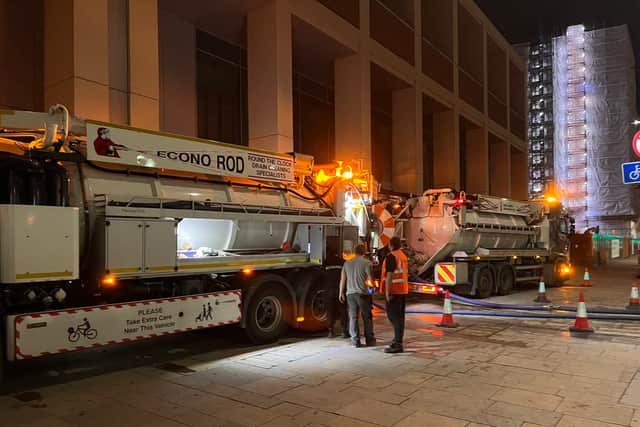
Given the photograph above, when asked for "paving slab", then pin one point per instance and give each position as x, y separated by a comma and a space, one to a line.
422, 419
375, 412
570, 421
608, 413
524, 413
527, 398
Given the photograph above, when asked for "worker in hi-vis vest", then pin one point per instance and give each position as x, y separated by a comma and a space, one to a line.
395, 285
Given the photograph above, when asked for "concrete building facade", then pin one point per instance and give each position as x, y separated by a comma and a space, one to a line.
424, 93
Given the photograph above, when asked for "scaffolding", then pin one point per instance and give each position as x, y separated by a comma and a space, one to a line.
541, 127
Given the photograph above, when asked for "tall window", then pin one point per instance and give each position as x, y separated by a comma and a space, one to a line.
222, 90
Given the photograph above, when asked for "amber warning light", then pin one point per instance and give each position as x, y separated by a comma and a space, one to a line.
109, 281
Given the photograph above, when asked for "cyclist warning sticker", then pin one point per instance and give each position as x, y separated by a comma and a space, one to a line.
40, 334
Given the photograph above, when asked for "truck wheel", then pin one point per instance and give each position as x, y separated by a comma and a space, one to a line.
316, 304
506, 279
555, 274
483, 282
267, 313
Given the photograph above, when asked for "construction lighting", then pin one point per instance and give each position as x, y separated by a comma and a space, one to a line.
247, 270
636, 122
551, 199
300, 319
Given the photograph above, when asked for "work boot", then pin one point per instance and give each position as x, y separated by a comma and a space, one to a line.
371, 342
357, 343
345, 334
331, 334
394, 348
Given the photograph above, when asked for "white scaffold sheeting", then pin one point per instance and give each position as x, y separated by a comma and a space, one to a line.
610, 111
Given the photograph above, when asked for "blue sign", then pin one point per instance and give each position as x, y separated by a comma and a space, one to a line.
631, 173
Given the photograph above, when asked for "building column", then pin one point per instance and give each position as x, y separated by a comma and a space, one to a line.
270, 77
353, 110
76, 66
499, 172
144, 73
99, 67
407, 140
477, 161
518, 166
446, 150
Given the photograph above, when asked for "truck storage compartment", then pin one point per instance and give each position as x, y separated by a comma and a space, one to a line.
38, 243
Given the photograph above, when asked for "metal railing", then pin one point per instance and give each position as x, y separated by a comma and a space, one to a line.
104, 200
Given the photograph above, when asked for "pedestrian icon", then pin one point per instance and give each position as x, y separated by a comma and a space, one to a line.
206, 313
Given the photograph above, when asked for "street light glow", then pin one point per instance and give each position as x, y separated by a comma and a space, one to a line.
636, 122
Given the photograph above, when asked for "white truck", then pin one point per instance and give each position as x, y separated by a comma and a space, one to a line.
484, 245
111, 234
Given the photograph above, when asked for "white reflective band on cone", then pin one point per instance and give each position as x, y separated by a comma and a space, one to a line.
582, 309
447, 306
541, 289
634, 292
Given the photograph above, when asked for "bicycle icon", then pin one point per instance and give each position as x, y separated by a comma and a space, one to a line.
634, 175
84, 329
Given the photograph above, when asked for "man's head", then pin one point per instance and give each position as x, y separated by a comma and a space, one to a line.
103, 133
394, 243
360, 250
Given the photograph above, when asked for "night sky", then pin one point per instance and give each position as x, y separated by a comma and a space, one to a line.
528, 20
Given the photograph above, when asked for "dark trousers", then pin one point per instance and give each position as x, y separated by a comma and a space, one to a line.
360, 303
337, 310
395, 313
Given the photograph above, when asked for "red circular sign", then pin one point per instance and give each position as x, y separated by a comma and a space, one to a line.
635, 142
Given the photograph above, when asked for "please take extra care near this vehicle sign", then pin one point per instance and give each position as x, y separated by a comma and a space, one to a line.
135, 147
49, 332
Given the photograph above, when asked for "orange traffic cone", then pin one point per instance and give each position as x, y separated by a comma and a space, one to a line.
447, 315
542, 292
582, 322
586, 278
634, 299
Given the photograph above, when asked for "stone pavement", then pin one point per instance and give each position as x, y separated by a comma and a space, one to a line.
488, 372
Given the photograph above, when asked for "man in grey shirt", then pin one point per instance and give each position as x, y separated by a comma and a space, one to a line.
356, 273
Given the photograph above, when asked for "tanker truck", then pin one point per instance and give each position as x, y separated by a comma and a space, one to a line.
483, 245
111, 234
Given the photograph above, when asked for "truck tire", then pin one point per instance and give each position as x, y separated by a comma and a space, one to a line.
483, 284
316, 303
555, 274
506, 279
267, 313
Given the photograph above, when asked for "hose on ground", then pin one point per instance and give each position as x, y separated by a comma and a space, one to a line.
482, 313
544, 307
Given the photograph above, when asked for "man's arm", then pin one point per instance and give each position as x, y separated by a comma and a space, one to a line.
343, 280
391, 266
370, 274
387, 286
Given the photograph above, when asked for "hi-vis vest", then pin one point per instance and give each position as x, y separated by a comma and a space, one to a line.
400, 276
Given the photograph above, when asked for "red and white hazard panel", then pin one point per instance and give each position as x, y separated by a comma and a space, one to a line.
446, 273
40, 334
